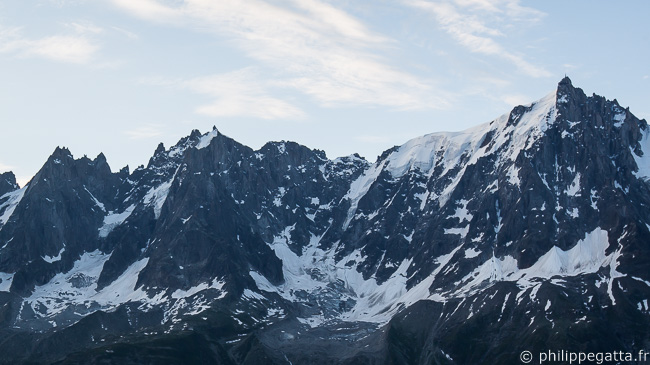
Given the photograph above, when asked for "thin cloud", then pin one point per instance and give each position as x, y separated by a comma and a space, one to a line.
486, 5
5, 168
149, 9
63, 48
84, 28
241, 93
494, 81
60, 48
62, 3
496, 89
466, 22
309, 46
144, 132
125, 32
514, 100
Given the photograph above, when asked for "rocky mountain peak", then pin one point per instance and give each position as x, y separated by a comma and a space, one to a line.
160, 149
101, 158
569, 97
7, 182
60, 155
565, 82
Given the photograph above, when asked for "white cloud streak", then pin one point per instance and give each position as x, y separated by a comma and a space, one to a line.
308, 45
515, 99
84, 28
241, 93
126, 33
467, 22
63, 48
144, 132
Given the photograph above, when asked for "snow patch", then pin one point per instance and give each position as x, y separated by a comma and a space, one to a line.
619, 118
73, 287
252, 295
459, 231
642, 162
113, 220
157, 196
471, 253
11, 201
97, 202
462, 213
215, 284
277, 200
206, 139
574, 188
77, 289
587, 256
281, 148
52, 259
359, 188
5, 281
594, 199
513, 176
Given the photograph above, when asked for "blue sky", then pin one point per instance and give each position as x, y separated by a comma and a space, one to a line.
120, 76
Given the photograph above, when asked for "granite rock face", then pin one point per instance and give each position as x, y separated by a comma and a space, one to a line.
526, 232
7, 183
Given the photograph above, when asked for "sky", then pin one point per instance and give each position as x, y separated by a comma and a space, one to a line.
121, 76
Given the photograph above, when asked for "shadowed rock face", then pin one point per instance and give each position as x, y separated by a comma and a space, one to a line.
7, 183
469, 247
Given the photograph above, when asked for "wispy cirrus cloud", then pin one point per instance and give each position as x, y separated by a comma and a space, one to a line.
84, 27
125, 32
145, 131
515, 99
74, 48
62, 3
59, 48
309, 46
469, 23
240, 93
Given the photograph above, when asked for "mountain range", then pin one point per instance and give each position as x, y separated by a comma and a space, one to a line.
527, 233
